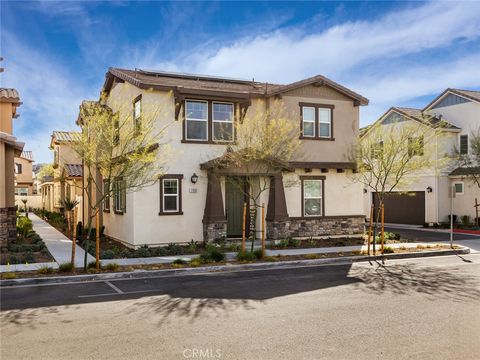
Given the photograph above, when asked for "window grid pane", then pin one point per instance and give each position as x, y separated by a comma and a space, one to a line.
325, 121
196, 119
170, 195
222, 121
312, 197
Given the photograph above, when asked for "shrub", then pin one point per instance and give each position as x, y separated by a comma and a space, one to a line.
465, 220
192, 246
234, 247
142, 251
10, 276
24, 226
213, 254
195, 262
388, 250
258, 253
66, 267
92, 265
107, 254
158, 251
293, 242
179, 261
112, 267
312, 242
311, 256
45, 251
247, 256
281, 244
13, 259
174, 249
29, 257
45, 270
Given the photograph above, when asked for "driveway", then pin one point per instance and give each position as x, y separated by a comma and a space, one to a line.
426, 235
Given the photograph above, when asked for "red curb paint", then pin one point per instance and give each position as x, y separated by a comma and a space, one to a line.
463, 231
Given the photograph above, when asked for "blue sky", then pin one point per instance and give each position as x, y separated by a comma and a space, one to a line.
394, 53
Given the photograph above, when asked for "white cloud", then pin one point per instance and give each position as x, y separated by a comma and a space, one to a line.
49, 92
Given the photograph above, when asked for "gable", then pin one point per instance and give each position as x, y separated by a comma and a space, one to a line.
312, 91
393, 117
449, 100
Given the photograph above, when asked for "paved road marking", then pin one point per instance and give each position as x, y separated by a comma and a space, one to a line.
114, 287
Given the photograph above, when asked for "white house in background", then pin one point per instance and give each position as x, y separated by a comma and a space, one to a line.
426, 199
196, 200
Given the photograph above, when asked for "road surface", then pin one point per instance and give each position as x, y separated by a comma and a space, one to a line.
410, 309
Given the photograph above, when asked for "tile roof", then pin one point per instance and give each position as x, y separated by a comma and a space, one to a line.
27, 155
66, 136
417, 114
74, 170
181, 82
465, 171
9, 95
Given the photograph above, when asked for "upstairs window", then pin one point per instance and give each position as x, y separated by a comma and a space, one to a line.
464, 144
196, 120
308, 117
317, 121
137, 112
222, 122
18, 168
325, 122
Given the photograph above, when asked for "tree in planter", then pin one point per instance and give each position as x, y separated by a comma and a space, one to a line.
264, 143
390, 156
121, 152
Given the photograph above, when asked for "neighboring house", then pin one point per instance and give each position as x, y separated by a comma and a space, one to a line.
426, 198
193, 201
9, 148
66, 182
24, 174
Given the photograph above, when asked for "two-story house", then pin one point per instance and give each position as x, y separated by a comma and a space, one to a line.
9, 148
194, 201
426, 198
24, 174
66, 182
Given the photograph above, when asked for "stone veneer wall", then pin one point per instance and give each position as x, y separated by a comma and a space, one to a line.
325, 226
8, 226
214, 230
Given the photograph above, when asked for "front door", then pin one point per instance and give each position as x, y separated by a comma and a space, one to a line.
234, 200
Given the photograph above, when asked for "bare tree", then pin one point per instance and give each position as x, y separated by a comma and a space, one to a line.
121, 151
471, 160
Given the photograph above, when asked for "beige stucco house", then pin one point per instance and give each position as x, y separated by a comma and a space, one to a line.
66, 183
425, 198
9, 148
24, 174
193, 201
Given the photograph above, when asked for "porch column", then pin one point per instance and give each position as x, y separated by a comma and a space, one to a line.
214, 221
277, 215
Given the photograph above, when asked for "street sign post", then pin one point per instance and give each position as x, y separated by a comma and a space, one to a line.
452, 196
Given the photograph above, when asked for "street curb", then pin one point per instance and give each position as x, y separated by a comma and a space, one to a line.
226, 268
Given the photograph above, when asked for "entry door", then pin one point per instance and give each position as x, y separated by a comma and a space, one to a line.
234, 199
404, 208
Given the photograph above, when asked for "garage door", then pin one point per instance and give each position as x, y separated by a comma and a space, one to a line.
404, 208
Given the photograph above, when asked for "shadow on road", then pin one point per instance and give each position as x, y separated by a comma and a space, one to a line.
434, 282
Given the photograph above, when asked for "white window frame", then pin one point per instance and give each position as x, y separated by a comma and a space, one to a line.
319, 198
222, 121
177, 195
117, 198
309, 121
137, 117
455, 183
187, 120
323, 122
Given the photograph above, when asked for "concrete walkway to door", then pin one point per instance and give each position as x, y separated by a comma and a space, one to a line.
58, 244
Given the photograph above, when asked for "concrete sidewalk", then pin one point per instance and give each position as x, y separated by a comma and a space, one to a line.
58, 245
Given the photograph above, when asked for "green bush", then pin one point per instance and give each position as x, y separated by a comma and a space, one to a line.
179, 262
45, 270
247, 256
465, 220
29, 257
388, 250
234, 247
192, 246
13, 259
174, 249
258, 253
293, 242
24, 226
66, 267
158, 251
45, 251
107, 254
92, 265
213, 254
112, 267
142, 251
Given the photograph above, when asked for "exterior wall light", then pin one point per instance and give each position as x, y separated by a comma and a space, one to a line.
429, 189
194, 178
365, 191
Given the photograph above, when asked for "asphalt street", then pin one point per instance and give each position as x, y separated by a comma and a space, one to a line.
408, 309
